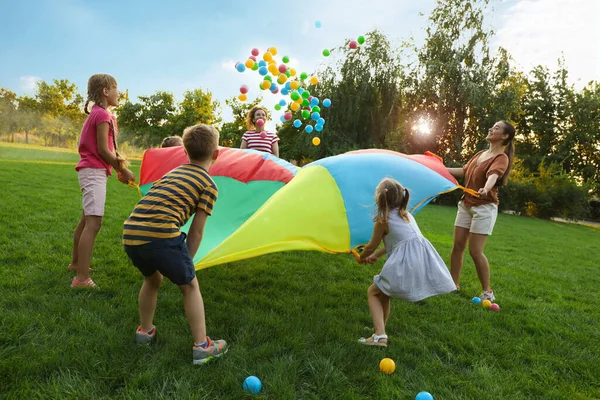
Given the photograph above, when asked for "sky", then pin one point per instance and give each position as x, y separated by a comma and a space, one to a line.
179, 45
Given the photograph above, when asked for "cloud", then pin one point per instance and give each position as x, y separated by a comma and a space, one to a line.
539, 32
28, 83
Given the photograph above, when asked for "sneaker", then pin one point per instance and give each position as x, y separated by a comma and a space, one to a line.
142, 337
215, 348
488, 295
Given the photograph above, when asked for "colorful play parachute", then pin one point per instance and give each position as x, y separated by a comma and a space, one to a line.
245, 178
267, 205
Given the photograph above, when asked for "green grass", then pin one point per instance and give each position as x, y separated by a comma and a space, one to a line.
292, 319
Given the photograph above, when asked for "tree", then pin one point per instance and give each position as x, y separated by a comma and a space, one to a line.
231, 132
197, 107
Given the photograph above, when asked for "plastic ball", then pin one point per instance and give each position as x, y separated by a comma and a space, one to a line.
305, 94
240, 67
486, 303
285, 59
360, 39
268, 78
318, 128
287, 116
249, 63
243, 97
281, 79
305, 103
424, 396
294, 85
252, 58
318, 24
314, 80
321, 121
274, 86
476, 300
303, 75
255, 67
316, 109
262, 63
255, 52
282, 119
353, 44
275, 91
316, 141
273, 50
263, 71
494, 307
314, 101
282, 68
295, 95
315, 116
295, 106
273, 69
387, 366
285, 91
282, 102
326, 52
268, 56
308, 128
305, 114
292, 71
244, 89
263, 135
265, 84
287, 73
297, 123
300, 90
260, 122
326, 103
277, 107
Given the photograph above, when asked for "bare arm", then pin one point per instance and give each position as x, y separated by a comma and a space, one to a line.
456, 172
196, 232
244, 144
275, 149
489, 184
378, 231
102, 138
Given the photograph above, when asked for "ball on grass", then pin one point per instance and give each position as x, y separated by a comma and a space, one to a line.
252, 384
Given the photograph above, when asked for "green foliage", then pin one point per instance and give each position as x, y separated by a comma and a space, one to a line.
231, 132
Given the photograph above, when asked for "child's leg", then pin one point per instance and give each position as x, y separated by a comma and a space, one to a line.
461, 236
376, 300
85, 246
476, 246
76, 237
147, 299
194, 310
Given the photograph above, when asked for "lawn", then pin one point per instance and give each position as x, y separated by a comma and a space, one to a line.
292, 319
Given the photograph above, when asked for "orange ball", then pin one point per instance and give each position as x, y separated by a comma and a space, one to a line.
249, 63
268, 56
281, 79
265, 84
316, 141
273, 50
295, 106
294, 85
292, 72
243, 97
314, 80
387, 365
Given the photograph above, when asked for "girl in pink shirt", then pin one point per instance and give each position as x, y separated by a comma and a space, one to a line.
256, 137
98, 156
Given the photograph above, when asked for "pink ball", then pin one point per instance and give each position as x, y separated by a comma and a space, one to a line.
255, 52
353, 44
287, 116
275, 91
244, 89
495, 307
263, 135
282, 68
252, 58
260, 122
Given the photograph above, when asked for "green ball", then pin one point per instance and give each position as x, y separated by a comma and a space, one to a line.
305, 94
361, 39
268, 78
277, 107
303, 75
305, 103
305, 114
295, 95
285, 59
326, 52
255, 67
316, 109
288, 73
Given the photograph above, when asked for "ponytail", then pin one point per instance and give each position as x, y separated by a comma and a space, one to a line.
85, 107
403, 205
509, 150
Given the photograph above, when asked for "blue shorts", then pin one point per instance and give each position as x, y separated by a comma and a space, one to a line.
170, 257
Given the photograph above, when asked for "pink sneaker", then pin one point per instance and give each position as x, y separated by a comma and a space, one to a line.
76, 283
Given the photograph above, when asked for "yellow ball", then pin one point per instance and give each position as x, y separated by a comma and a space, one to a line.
282, 79
243, 97
314, 80
273, 50
387, 365
273, 69
295, 106
294, 85
316, 141
292, 72
265, 84
249, 63
267, 56
486, 304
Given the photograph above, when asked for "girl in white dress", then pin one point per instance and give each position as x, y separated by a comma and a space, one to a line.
413, 270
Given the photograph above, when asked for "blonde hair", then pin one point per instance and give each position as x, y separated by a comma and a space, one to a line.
250, 116
200, 141
390, 194
171, 141
96, 84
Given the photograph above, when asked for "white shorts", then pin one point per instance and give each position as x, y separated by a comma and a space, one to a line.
477, 219
92, 182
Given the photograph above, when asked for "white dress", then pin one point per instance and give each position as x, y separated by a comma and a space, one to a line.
413, 270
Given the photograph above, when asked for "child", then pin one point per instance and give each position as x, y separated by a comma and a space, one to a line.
413, 269
172, 141
154, 243
98, 155
256, 137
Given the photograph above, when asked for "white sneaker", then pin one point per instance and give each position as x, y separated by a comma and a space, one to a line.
489, 295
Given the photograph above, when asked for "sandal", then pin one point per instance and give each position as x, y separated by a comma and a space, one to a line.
79, 284
375, 342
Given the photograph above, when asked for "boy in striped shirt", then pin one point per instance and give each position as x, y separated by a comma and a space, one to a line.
156, 246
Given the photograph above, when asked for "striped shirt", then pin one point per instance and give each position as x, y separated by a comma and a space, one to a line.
256, 141
169, 204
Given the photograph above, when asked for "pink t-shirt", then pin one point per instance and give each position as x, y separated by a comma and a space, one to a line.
88, 142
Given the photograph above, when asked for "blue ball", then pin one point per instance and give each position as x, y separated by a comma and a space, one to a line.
300, 90
282, 103
321, 121
285, 91
317, 24
240, 67
282, 119
326, 102
315, 116
273, 86
308, 128
297, 123
252, 384
288, 85
262, 63
476, 300
424, 396
314, 101
318, 128
263, 71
